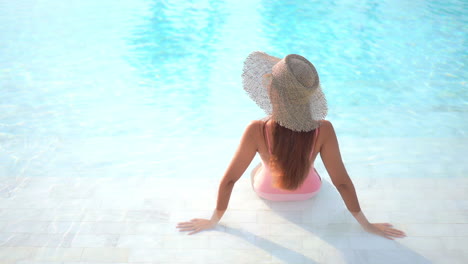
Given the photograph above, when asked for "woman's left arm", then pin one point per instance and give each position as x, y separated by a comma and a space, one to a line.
242, 158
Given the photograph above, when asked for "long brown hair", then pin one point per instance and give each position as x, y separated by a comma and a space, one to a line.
290, 156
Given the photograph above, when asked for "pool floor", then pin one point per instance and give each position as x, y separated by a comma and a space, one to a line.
133, 219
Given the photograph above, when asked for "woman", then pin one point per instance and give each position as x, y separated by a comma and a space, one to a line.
288, 141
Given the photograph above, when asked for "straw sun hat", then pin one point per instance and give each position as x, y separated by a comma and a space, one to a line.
288, 89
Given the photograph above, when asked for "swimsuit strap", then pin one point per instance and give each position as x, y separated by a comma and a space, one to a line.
267, 137
315, 140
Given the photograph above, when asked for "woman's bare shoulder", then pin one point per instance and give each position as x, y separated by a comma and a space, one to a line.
255, 126
257, 123
254, 129
326, 129
325, 125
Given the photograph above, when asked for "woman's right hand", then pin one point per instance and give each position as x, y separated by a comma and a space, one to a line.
384, 229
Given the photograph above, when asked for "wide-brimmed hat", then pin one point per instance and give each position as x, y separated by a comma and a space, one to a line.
288, 89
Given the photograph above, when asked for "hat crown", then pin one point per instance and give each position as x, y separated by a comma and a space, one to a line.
295, 79
304, 72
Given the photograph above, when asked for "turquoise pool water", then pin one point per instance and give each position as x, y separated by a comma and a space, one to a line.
140, 87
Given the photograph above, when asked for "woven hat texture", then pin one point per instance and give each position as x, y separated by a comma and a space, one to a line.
287, 89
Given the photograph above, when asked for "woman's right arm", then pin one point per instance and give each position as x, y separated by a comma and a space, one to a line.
331, 157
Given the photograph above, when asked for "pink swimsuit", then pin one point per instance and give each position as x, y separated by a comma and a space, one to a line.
263, 182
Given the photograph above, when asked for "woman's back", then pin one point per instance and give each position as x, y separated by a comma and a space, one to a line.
262, 177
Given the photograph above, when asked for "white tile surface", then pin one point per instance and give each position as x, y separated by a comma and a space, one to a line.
95, 241
58, 254
104, 254
64, 227
25, 227
140, 241
10, 255
133, 220
104, 215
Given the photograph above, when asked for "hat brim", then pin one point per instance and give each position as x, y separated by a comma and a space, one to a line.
256, 66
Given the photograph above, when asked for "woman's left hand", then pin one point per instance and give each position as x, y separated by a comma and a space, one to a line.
196, 225
385, 230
